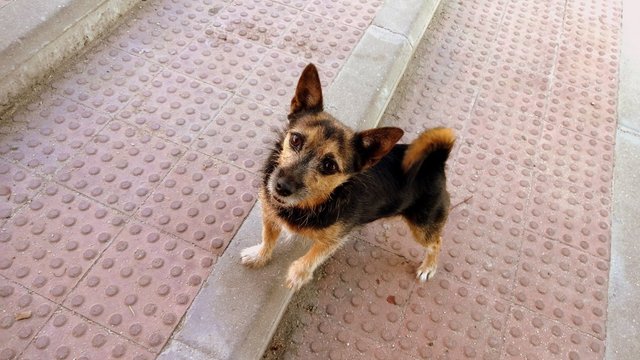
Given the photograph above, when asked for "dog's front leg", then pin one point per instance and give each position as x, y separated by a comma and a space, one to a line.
259, 255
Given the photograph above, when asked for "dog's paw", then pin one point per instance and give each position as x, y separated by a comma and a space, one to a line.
425, 273
297, 276
253, 257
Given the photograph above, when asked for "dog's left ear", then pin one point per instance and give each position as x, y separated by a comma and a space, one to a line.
372, 145
308, 97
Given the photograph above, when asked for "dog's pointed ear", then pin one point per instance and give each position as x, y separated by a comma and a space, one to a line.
372, 145
308, 97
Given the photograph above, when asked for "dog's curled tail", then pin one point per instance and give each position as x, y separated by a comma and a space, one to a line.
434, 144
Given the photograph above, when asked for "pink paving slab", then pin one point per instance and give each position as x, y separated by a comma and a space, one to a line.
575, 158
318, 40
569, 213
105, 78
260, 21
505, 132
202, 201
475, 10
50, 245
146, 281
242, 134
69, 336
563, 283
532, 336
46, 133
365, 289
17, 187
175, 107
22, 314
356, 13
191, 15
274, 80
586, 112
121, 166
219, 59
445, 319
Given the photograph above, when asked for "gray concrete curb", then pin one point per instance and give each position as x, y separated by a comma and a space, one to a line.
238, 309
623, 318
37, 36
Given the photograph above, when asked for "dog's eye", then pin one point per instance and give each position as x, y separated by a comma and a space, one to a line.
328, 167
295, 140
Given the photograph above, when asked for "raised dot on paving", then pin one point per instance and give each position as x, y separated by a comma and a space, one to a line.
175, 107
274, 80
444, 318
105, 78
49, 245
356, 13
530, 335
219, 59
202, 201
22, 315
17, 187
69, 336
243, 133
574, 215
46, 133
321, 41
145, 281
260, 21
121, 167
481, 250
365, 289
563, 283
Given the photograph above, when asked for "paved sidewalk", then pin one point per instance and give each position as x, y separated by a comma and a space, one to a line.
125, 179
531, 88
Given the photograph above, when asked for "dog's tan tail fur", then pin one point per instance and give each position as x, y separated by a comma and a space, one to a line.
440, 140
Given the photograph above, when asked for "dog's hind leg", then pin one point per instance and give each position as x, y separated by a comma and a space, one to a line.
429, 236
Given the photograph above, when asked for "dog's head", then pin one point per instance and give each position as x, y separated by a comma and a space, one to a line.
317, 153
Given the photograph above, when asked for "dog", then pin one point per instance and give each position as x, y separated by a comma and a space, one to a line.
323, 179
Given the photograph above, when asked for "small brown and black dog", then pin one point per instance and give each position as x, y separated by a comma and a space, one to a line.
323, 179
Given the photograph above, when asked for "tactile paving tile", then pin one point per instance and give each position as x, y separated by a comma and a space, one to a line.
321, 41
260, 21
159, 40
563, 283
365, 289
515, 89
105, 78
17, 187
575, 158
319, 338
146, 281
49, 245
274, 80
192, 15
121, 166
482, 251
175, 107
571, 214
46, 133
202, 201
68, 336
476, 10
491, 184
22, 314
532, 336
219, 59
356, 13
505, 132
591, 114
445, 319
242, 134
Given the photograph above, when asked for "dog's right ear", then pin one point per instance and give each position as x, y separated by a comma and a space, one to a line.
308, 97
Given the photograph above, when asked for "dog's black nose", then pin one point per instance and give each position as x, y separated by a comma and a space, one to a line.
285, 186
